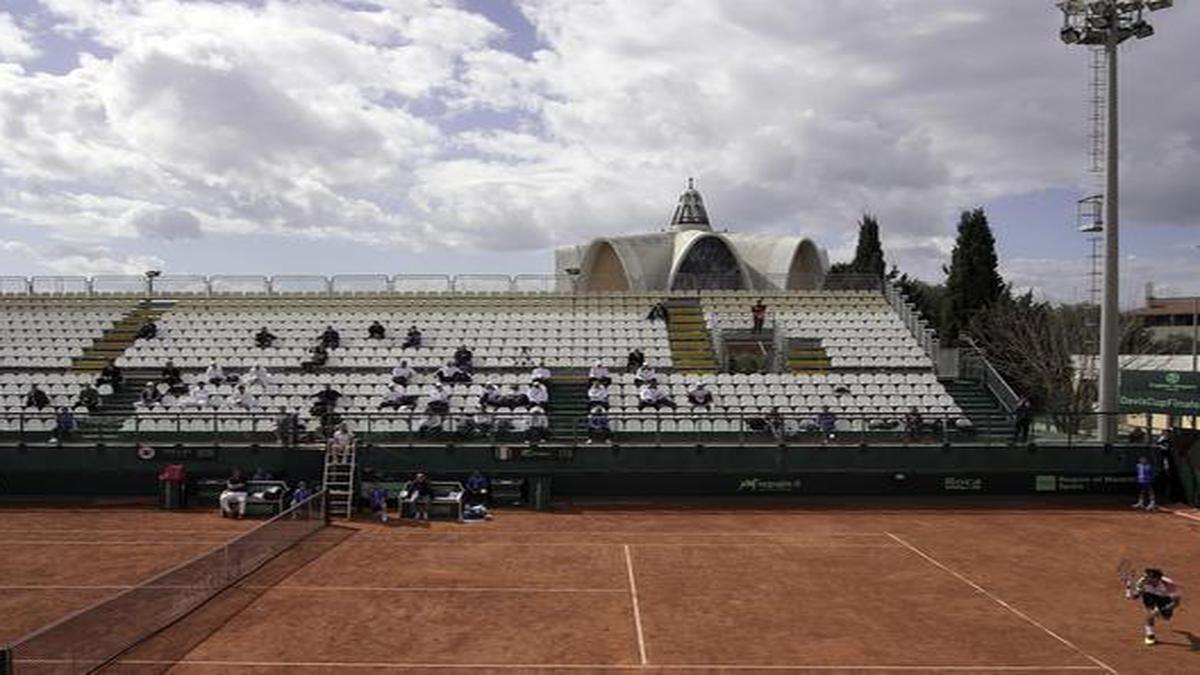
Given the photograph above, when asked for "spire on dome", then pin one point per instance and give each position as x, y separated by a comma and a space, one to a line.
690, 213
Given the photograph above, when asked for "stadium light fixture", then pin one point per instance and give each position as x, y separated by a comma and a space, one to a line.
1108, 23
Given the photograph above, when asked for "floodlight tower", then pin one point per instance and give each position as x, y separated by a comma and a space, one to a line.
1108, 23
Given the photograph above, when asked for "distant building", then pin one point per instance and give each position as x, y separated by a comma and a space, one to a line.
689, 254
1168, 316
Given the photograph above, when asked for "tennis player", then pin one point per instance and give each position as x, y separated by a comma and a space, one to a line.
1160, 596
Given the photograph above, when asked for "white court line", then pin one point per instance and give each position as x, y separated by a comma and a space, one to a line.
637, 612
621, 533
73, 542
1185, 514
994, 598
578, 666
435, 589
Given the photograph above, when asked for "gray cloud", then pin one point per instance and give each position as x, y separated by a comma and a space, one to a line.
171, 224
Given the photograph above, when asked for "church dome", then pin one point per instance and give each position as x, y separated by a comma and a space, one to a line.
690, 213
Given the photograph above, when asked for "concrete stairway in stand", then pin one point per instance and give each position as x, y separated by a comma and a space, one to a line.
806, 355
691, 343
980, 406
120, 337
568, 406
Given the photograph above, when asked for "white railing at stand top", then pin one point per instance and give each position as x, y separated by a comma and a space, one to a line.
920, 329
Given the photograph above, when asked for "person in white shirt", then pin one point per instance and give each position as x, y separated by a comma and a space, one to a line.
599, 373
644, 375
539, 425
341, 442
541, 374
402, 374
397, 398
652, 397
536, 394
491, 396
214, 374
198, 396
439, 399
598, 395
244, 399
700, 397
451, 374
256, 375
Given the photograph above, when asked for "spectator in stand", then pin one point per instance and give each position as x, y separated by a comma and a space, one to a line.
148, 331
341, 442
651, 396
597, 395
402, 374
36, 398
758, 314
319, 357
330, 339
827, 422
913, 424
524, 358
256, 375
775, 423
599, 373
90, 398
111, 375
244, 399
287, 427
658, 312
420, 493
197, 397
537, 394
452, 374
635, 360
149, 396
413, 339
644, 375
476, 487
439, 400
491, 397
64, 424
376, 331
214, 374
327, 398
398, 398
264, 338
464, 358
598, 428
432, 425
515, 398
171, 375
540, 374
233, 497
481, 423
1022, 418
539, 425
700, 397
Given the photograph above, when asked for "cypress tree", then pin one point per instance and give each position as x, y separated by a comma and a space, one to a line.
868, 256
973, 281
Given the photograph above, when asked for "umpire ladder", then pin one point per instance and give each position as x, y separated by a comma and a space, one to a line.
339, 482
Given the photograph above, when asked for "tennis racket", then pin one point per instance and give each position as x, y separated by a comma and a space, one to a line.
1127, 572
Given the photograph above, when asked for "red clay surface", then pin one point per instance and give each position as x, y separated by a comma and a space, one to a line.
708, 590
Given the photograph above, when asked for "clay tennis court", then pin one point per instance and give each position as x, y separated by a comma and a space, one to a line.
699, 589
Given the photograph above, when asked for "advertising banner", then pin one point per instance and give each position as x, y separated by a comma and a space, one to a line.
1160, 391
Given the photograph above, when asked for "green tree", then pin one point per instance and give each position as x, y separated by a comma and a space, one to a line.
973, 281
868, 255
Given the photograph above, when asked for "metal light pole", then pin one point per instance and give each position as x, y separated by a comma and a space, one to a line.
1108, 23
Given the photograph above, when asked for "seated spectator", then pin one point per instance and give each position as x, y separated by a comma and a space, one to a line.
635, 360
913, 424
214, 374
148, 331
439, 399
536, 394
431, 425
515, 398
775, 423
452, 374
36, 398
598, 428
402, 374
319, 357
330, 339
599, 373
464, 358
244, 399
233, 497
197, 397
149, 396
398, 398
90, 398
540, 374
64, 424
826, 421
598, 395
111, 375
327, 398
700, 397
538, 428
658, 312
413, 339
652, 397
169, 400
256, 375
491, 396
287, 427
420, 493
170, 374
476, 488
376, 331
341, 443
264, 339
645, 375
482, 423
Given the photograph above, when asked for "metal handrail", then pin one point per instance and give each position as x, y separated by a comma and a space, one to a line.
991, 378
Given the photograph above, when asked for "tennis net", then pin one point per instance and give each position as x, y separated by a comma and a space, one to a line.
94, 636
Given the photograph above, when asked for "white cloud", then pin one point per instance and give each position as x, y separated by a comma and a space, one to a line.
16, 44
82, 260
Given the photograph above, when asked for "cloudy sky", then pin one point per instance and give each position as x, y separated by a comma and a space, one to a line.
470, 136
